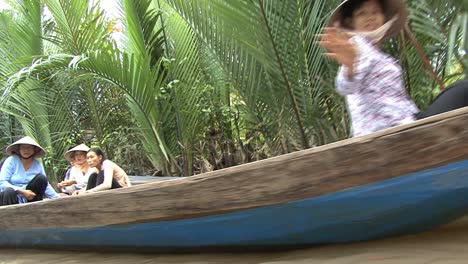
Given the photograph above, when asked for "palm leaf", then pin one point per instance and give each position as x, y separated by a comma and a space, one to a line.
266, 55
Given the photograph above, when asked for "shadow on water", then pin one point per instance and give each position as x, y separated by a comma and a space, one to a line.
444, 245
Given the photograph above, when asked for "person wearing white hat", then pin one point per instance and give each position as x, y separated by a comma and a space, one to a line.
78, 174
370, 80
22, 176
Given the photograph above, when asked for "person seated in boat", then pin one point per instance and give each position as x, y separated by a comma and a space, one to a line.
370, 80
78, 174
22, 177
66, 177
453, 97
104, 174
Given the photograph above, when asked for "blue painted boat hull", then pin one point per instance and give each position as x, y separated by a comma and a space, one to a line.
403, 205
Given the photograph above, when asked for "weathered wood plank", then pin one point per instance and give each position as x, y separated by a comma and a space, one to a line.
137, 180
425, 144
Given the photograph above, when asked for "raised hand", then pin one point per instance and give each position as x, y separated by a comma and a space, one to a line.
338, 46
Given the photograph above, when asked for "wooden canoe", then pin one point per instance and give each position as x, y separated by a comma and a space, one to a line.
398, 181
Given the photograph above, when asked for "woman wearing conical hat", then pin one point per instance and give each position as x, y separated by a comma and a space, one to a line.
370, 80
78, 174
22, 177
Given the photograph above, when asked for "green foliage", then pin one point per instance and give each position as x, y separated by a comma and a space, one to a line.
441, 29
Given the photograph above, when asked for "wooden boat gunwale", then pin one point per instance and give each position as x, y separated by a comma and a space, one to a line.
405, 205
287, 178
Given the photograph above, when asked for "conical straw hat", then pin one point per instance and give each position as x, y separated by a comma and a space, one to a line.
81, 147
393, 8
14, 148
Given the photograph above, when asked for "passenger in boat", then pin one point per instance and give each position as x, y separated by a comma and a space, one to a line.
105, 174
370, 80
22, 177
453, 97
66, 177
78, 174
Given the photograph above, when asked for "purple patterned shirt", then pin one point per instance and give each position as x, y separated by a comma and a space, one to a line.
376, 95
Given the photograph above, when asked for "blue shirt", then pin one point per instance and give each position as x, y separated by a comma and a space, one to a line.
14, 176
